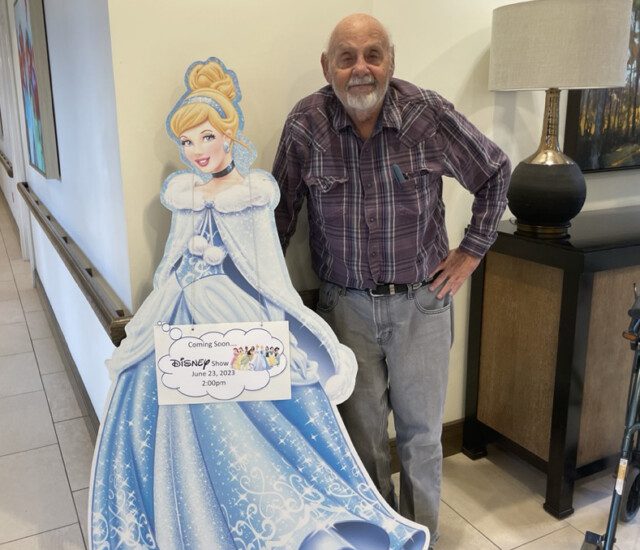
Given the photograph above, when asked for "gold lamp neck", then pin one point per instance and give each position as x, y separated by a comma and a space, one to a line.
549, 151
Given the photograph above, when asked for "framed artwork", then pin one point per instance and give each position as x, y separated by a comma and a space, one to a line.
35, 82
603, 126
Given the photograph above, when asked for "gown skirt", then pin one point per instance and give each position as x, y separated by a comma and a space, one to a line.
247, 475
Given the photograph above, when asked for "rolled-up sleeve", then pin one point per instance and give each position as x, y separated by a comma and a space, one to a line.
482, 168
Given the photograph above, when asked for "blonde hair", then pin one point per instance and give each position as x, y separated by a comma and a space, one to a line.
208, 80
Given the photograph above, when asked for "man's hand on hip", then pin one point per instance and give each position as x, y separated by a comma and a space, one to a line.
454, 270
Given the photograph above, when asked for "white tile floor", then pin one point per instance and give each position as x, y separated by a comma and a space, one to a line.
45, 454
45, 449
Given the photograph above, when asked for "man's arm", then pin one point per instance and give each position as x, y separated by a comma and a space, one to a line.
482, 168
287, 172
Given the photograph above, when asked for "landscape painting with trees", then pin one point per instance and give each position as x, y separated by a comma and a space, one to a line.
603, 126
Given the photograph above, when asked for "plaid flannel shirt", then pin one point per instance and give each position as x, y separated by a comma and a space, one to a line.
375, 207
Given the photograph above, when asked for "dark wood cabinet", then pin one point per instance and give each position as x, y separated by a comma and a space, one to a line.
547, 368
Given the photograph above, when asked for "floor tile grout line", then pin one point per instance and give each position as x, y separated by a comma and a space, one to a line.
471, 525
40, 338
69, 419
29, 450
11, 354
9, 324
10, 260
477, 528
40, 533
4, 244
21, 308
75, 504
543, 536
11, 300
64, 464
24, 393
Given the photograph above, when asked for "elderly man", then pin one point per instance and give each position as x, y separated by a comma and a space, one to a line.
368, 152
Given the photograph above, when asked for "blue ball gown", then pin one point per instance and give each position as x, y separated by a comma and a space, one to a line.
245, 475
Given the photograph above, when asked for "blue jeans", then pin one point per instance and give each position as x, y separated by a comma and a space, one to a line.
402, 345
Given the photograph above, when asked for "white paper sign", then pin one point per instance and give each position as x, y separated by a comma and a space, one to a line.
213, 363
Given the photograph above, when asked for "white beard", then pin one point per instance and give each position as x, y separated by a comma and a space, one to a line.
363, 104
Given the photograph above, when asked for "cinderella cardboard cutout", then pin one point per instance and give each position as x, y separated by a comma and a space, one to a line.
221, 430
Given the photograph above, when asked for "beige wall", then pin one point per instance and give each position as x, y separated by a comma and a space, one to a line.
274, 47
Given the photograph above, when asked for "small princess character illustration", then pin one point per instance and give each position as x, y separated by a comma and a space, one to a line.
259, 361
270, 356
234, 357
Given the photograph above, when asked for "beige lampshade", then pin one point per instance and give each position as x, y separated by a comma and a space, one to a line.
560, 44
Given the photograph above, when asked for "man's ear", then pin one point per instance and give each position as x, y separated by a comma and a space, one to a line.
324, 61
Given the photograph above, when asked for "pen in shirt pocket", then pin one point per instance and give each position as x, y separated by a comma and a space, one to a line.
398, 175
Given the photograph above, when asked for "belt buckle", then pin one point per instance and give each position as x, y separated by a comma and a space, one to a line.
392, 291
372, 292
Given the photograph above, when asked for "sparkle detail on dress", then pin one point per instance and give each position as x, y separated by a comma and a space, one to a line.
227, 476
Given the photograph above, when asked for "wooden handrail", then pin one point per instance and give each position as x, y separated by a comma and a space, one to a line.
109, 309
4, 160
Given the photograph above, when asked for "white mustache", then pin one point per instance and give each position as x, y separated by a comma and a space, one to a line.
360, 80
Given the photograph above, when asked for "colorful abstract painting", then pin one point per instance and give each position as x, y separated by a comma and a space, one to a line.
36, 87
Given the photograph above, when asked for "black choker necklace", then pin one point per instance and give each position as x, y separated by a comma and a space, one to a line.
225, 171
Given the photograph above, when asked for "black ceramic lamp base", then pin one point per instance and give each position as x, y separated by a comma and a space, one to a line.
545, 198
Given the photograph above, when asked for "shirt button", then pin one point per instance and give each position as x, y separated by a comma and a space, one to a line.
374, 254
372, 219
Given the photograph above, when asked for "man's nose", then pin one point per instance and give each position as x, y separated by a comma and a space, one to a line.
361, 68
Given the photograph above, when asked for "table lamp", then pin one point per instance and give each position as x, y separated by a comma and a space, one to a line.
552, 45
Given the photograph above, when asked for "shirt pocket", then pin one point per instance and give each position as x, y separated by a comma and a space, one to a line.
324, 183
325, 173
328, 188
325, 169
412, 196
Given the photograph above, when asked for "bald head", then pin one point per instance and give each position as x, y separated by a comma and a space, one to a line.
358, 24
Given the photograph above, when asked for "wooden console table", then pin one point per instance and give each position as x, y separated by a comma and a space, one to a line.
547, 368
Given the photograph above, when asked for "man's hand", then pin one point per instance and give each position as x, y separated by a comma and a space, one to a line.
455, 269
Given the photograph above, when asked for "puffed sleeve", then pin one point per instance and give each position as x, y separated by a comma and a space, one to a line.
178, 192
178, 196
259, 189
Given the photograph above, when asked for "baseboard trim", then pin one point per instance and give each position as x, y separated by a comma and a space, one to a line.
79, 390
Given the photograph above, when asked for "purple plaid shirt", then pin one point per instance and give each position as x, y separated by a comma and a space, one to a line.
375, 207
